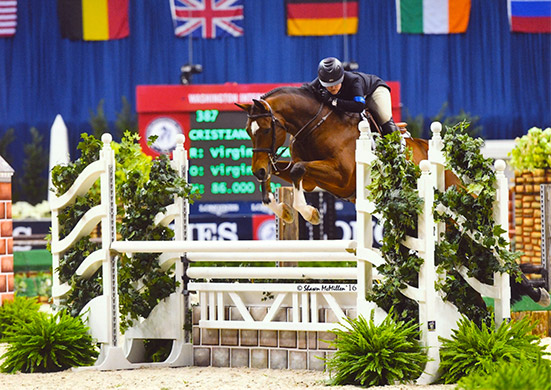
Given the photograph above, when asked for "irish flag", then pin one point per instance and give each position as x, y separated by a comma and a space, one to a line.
432, 16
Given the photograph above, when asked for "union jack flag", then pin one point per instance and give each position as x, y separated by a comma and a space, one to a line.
207, 18
8, 17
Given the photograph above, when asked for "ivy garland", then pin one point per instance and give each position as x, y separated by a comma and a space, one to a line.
393, 189
472, 240
63, 176
145, 188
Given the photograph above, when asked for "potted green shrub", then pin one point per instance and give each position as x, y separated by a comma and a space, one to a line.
48, 343
479, 350
531, 161
532, 151
368, 354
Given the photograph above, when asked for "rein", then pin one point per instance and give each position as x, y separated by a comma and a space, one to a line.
311, 120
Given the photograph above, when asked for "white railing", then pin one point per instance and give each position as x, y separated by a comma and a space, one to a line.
102, 313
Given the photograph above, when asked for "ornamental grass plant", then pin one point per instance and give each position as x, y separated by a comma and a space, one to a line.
521, 375
475, 349
21, 309
374, 355
48, 343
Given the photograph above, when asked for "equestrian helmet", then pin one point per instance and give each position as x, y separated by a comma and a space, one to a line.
330, 72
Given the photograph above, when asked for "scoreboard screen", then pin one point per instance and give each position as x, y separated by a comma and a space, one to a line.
220, 156
219, 148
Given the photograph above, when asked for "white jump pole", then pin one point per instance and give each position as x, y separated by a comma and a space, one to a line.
112, 356
182, 349
271, 256
232, 246
271, 273
366, 256
427, 296
502, 305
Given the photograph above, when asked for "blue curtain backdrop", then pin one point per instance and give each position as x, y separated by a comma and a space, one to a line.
503, 78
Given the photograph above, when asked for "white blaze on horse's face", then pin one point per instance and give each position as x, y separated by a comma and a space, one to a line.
254, 127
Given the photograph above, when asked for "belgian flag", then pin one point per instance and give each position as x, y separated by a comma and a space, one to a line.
321, 17
93, 20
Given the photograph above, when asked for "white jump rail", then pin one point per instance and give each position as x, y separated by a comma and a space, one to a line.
232, 246
214, 297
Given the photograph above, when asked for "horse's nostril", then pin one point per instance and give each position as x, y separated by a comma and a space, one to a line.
260, 174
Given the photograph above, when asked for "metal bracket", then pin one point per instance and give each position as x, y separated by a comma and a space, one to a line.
185, 278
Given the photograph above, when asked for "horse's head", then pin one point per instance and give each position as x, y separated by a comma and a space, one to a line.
267, 131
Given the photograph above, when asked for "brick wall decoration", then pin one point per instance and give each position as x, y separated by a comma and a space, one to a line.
528, 213
542, 319
297, 350
6, 236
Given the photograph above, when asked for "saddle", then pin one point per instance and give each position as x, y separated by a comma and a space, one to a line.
375, 128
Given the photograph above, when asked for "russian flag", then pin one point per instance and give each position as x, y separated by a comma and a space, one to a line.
530, 16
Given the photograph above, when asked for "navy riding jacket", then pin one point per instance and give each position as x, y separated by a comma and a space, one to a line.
356, 87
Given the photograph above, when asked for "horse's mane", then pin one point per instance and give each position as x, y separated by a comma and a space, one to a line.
308, 91
305, 90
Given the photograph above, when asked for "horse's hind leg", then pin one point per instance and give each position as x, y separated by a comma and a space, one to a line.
309, 213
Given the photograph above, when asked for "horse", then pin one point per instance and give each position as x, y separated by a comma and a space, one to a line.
323, 144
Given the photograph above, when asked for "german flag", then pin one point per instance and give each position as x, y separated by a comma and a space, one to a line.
321, 17
93, 20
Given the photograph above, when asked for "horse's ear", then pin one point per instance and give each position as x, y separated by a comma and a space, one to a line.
260, 105
245, 107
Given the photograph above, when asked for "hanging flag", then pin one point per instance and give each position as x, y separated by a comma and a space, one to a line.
432, 16
321, 17
532, 16
8, 18
207, 18
93, 20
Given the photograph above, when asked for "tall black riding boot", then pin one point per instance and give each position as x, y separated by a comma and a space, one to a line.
389, 127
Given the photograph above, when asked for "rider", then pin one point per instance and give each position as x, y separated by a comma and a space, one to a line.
354, 92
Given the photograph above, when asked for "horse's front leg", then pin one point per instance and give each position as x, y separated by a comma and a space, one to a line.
281, 210
309, 213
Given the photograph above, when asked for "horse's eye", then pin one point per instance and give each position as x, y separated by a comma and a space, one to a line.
266, 131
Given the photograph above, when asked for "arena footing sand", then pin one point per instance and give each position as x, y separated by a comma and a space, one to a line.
195, 378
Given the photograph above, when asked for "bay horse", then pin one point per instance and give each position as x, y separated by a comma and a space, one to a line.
322, 146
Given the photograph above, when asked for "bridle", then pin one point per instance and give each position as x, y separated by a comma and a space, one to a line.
274, 122
272, 153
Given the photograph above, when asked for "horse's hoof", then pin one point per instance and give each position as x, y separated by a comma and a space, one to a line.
545, 300
287, 214
315, 218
